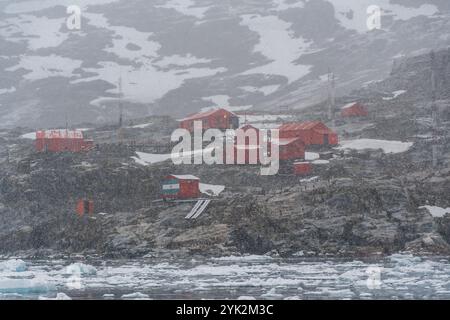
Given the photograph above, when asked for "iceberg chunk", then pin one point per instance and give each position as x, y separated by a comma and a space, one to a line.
135, 296
25, 286
80, 269
13, 265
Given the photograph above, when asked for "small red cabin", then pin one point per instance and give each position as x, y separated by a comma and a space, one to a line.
218, 119
311, 133
85, 207
62, 140
181, 187
354, 109
302, 168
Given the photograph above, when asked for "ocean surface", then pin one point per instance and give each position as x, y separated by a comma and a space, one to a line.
248, 277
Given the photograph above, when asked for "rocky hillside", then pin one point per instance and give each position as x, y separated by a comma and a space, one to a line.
179, 56
363, 200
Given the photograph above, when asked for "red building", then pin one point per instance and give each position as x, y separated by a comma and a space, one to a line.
247, 145
85, 207
311, 133
290, 148
302, 168
218, 119
181, 187
354, 109
62, 140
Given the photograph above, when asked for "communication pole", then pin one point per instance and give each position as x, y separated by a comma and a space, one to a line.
120, 129
331, 96
120, 103
434, 111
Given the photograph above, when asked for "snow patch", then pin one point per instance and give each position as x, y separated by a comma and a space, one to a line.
386, 145
38, 32
274, 34
40, 67
395, 94
311, 156
211, 189
7, 90
352, 14
185, 7
436, 212
266, 90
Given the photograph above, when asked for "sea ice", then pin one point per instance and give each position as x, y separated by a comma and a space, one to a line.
80, 269
24, 286
14, 265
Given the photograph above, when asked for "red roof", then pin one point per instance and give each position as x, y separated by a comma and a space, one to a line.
205, 114
308, 125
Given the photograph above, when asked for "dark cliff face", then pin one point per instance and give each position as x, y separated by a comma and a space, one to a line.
362, 202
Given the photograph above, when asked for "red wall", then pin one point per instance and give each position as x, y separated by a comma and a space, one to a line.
189, 189
302, 169
81, 208
294, 150
60, 144
355, 111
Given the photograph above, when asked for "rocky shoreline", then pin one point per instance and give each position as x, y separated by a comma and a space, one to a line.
358, 203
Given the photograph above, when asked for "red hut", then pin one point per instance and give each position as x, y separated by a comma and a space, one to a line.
311, 133
354, 109
290, 148
218, 119
302, 168
181, 187
85, 207
62, 140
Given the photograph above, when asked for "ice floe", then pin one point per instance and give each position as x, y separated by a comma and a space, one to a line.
80, 269
14, 265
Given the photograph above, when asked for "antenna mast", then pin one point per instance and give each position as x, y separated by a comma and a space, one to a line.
331, 95
120, 102
434, 110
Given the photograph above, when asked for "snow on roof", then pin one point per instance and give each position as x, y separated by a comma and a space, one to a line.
211, 189
60, 133
201, 115
349, 105
185, 177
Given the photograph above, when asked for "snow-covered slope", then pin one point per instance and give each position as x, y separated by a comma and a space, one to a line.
175, 55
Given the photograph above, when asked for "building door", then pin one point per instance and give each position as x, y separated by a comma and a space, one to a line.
326, 140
